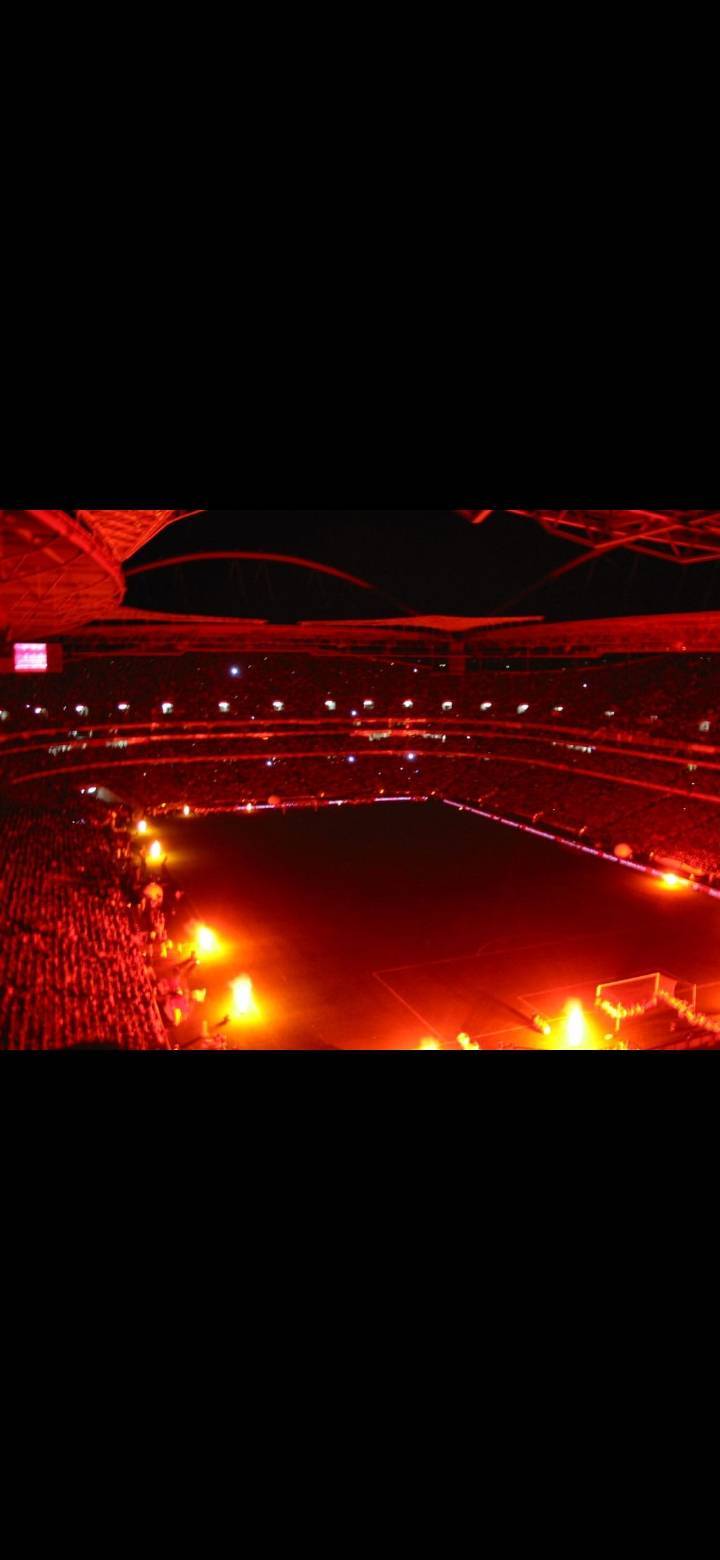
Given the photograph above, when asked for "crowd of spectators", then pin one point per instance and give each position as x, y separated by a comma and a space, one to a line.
130, 689
86, 928
74, 961
672, 696
606, 751
678, 694
663, 830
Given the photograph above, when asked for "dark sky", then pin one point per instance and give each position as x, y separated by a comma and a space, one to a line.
426, 561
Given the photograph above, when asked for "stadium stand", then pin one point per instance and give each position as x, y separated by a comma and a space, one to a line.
597, 752
73, 967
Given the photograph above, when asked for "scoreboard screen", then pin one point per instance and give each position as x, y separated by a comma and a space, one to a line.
30, 658
37, 658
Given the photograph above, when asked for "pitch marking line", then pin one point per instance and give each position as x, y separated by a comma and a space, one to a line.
429, 1028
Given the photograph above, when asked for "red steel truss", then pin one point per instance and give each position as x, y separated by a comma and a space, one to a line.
55, 572
125, 531
60, 569
677, 535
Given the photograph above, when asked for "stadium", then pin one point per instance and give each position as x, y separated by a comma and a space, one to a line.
399, 780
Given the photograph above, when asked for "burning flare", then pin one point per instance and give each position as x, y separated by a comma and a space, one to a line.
575, 1024
243, 999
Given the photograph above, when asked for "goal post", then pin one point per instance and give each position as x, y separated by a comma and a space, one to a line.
644, 991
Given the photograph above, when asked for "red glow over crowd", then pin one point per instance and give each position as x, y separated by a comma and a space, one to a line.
621, 756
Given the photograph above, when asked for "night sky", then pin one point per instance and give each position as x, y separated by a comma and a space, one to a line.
419, 561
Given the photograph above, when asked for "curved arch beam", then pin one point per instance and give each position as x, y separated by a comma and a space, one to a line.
259, 557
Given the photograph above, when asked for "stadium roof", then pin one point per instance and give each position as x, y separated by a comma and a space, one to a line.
59, 569
125, 531
675, 535
54, 573
655, 634
132, 631
61, 572
440, 625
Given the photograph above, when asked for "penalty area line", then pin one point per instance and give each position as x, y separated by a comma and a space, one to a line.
429, 1028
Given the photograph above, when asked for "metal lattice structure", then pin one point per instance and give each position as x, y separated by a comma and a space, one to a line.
675, 535
125, 531
59, 569
54, 573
